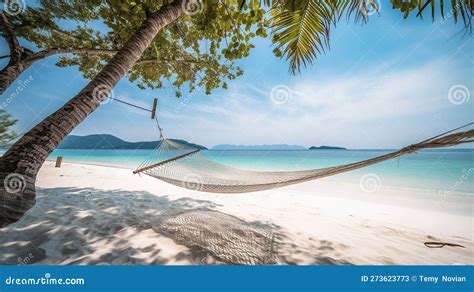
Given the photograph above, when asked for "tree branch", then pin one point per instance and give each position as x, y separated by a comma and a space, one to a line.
154, 60
54, 51
9, 35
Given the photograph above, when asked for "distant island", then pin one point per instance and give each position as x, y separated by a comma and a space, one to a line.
258, 147
105, 141
326, 148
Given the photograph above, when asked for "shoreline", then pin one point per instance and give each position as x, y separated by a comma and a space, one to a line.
90, 163
89, 214
390, 187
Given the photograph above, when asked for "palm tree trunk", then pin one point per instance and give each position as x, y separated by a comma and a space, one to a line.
17, 54
10, 73
20, 164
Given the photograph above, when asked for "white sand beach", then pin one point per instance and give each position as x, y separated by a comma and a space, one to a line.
88, 215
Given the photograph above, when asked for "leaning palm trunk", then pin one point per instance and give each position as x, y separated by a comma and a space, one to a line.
11, 73
20, 164
16, 65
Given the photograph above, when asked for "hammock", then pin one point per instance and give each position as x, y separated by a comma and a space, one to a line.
183, 166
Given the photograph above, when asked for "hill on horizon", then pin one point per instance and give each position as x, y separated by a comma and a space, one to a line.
107, 141
258, 147
324, 147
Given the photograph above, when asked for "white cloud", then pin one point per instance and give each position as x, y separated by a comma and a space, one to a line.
371, 109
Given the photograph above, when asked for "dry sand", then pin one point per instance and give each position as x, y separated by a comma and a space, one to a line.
92, 215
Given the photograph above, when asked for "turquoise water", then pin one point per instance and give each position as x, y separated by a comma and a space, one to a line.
430, 169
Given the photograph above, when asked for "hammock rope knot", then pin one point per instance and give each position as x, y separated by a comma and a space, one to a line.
410, 149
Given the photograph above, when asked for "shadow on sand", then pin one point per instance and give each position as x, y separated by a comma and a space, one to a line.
88, 226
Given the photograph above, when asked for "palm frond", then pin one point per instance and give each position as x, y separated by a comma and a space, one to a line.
463, 7
301, 28
359, 8
302, 33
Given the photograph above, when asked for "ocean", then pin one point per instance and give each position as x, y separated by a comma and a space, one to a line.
439, 169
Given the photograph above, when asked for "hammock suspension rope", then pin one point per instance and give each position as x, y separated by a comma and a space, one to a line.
183, 165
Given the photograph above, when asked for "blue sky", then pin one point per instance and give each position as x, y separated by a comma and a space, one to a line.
385, 84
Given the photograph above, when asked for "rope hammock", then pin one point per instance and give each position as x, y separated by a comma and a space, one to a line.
183, 166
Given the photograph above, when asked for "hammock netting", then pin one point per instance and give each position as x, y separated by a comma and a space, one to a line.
184, 166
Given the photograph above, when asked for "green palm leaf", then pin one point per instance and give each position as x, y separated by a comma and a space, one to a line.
463, 7
301, 29
301, 33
